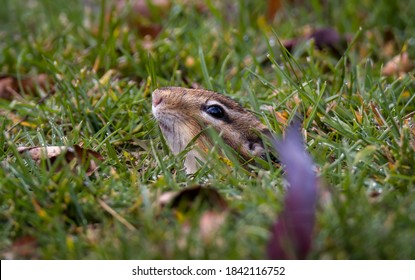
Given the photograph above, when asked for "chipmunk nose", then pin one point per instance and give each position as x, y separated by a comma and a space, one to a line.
157, 98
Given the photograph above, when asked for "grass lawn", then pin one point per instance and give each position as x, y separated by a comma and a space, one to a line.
102, 61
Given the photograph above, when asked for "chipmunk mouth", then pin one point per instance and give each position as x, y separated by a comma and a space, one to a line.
172, 133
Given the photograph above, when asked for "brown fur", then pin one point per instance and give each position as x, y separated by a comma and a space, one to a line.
181, 118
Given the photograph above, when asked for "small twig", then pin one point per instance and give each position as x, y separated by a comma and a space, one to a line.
19, 122
116, 215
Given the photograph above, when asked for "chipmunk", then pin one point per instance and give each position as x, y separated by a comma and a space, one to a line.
184, 113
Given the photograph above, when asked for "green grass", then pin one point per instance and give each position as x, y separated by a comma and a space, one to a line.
104, 73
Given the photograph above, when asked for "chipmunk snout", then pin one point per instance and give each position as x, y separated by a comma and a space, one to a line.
157, 98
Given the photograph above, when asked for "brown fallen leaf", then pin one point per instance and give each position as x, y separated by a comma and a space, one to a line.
210, 208
198, 196
399, 65
210, 222
82, 156
11, 87
8, 87
24, 247
273, 7
281, 116
166, 198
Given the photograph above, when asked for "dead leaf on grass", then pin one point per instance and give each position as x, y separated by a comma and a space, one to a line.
207, 203
25, 247
202, 197
82, 156
272, 8
210, 222
379, 119
281, 116
399, 65
11, 87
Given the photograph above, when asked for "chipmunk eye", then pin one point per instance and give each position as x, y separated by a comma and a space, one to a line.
215, 111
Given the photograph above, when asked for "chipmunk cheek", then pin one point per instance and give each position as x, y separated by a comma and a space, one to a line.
256, 148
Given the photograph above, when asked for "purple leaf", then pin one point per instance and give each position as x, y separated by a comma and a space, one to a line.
324, 38
292, 233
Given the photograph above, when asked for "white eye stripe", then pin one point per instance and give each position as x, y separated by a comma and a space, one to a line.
214, 102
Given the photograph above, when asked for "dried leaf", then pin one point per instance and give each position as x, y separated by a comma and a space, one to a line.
380, 120
399, 65
24, 247
273, 7
198, 196
210, 222
38, 153
166, 198
282, 117
359, 116
209, 206
292, 232
82, 156
87, 156
10, 86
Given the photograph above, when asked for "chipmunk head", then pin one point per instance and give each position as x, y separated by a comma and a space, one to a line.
183, 113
